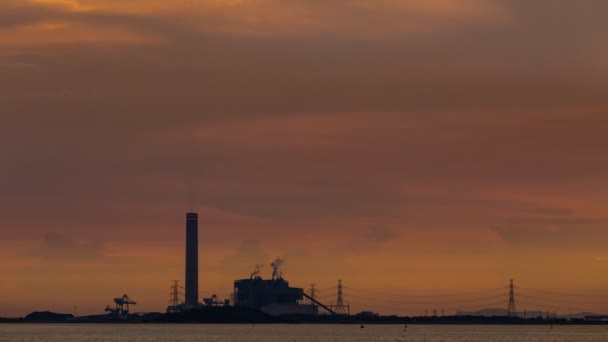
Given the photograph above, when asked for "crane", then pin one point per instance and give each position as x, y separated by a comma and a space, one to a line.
121, 305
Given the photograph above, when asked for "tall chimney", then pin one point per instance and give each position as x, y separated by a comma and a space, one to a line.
192, 258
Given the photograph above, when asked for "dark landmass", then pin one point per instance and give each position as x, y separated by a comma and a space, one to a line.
9, 320
232, 315
47, 316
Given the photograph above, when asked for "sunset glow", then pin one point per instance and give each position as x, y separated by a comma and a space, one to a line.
421, 146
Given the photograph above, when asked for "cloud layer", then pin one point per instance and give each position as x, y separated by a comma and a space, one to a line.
468, 140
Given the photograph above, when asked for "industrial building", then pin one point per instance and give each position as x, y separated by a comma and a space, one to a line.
191, 288
272, 296
192, 259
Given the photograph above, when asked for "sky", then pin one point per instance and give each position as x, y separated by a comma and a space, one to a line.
409, 147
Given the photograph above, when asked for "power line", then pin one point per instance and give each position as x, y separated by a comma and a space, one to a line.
523, 295
313, 292
326, 296
425, 295
540, 306
334, 288
429, 303
511, 308
401, 308
340, 307
561, 293
559, 300
482, 305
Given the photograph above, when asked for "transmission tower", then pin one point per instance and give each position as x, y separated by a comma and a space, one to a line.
176, 294
340, 294
340, 308
313, 291
511, 311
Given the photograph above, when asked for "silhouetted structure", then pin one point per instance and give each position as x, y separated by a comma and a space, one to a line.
176, 294
121, 308
192, 259
274, 296
215, 301
175, 299
256, 293
340, 308
511, 309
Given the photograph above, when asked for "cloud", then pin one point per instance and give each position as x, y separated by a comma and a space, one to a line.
552, 228
15, 14
17, 65
243, 260
463, 65
73, 5
364, 18
381, 233
24, 24
469, 128
61, 247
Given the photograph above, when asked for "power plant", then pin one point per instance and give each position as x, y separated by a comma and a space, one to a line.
192, 259
273, 300
272, 296
191, 270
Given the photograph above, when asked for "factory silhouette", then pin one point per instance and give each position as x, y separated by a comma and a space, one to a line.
273, 300
191, 259
272, 296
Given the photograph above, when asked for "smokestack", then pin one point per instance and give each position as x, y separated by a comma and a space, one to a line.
276, 268
192, 258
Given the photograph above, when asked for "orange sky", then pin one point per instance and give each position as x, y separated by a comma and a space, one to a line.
414, 146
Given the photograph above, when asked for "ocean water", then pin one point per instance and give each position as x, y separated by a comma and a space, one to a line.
295, 333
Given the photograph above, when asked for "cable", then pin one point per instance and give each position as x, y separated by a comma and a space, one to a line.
449, 308
483, 305
334, 288
423, 296
558, 300
426, 303
553, 307
561, 293
331, 295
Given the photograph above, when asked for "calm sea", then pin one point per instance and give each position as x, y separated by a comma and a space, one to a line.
295, 333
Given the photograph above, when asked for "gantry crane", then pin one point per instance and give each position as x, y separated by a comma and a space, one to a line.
121, 306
